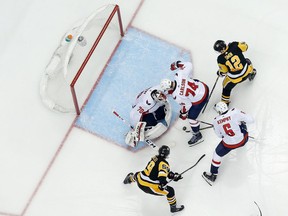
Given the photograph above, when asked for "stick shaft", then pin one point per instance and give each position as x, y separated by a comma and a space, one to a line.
193, 165
117, 115
206, 123
188, 168
147, 141
210, 94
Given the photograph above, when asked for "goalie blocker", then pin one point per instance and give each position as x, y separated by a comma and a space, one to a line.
142, 133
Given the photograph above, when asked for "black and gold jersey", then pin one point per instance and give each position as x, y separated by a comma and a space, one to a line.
232, 59
157, 169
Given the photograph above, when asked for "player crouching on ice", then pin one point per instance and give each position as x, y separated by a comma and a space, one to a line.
150, 116
153, 179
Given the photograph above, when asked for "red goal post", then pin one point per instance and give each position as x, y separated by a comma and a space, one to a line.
80, 58
72, 85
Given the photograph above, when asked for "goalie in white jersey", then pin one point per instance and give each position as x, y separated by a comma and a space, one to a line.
150, 116
231, 127
191, 95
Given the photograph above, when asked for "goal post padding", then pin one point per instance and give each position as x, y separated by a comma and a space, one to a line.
77, 65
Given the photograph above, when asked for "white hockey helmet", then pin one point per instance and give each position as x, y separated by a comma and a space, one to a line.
158, 95
166, 84
221, 107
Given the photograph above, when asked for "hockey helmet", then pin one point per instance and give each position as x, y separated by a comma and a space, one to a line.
166, 84
219, 45
221, 107
164, 151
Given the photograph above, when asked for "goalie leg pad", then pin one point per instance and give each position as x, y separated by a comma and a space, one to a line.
155, 131
168, 112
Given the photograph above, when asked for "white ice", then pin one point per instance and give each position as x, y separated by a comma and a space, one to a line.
50, 168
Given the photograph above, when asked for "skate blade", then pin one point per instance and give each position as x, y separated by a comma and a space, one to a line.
194, 144
210, 183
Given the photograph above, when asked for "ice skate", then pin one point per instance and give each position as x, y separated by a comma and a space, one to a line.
175, 208
128, 180
209, 178
252, 75
196, 139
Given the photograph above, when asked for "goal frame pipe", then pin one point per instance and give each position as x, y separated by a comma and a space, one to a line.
72, 85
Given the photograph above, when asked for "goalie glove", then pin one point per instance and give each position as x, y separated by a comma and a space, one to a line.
133, 137
175, 65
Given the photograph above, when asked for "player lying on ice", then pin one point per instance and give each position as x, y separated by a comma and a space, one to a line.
150, 116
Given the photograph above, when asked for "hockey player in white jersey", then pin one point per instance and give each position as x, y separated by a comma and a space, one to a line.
150, 116
231, 127
191, 95
185, 69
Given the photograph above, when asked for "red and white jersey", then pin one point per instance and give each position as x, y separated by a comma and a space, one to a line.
144, 104
185, 71
189, 92
226, 126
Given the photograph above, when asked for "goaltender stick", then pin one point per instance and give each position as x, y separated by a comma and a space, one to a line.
150, 116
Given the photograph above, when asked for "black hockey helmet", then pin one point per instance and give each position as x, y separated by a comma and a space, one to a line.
164, 151
219, 45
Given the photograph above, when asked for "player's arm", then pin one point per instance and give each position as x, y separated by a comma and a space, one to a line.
223, 69
217, 129
243, 117
243, 46
163, 171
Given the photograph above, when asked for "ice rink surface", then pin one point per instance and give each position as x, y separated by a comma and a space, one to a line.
49, 167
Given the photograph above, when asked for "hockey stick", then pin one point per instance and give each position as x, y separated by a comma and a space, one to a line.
258, 208
188, 168
206, 123
210, 126
193, 165
116, 114
204, 128
210, 94
147, 141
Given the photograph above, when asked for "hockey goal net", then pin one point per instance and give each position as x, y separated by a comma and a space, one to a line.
81, 56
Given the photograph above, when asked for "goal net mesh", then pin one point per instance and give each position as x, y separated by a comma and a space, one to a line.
71, 55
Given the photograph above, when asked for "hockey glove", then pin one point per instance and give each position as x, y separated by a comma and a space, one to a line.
175, 65
221, 74
243, 127
183, 116
177, 177
171, 175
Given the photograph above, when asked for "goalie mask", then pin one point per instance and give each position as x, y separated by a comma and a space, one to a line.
158, 95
